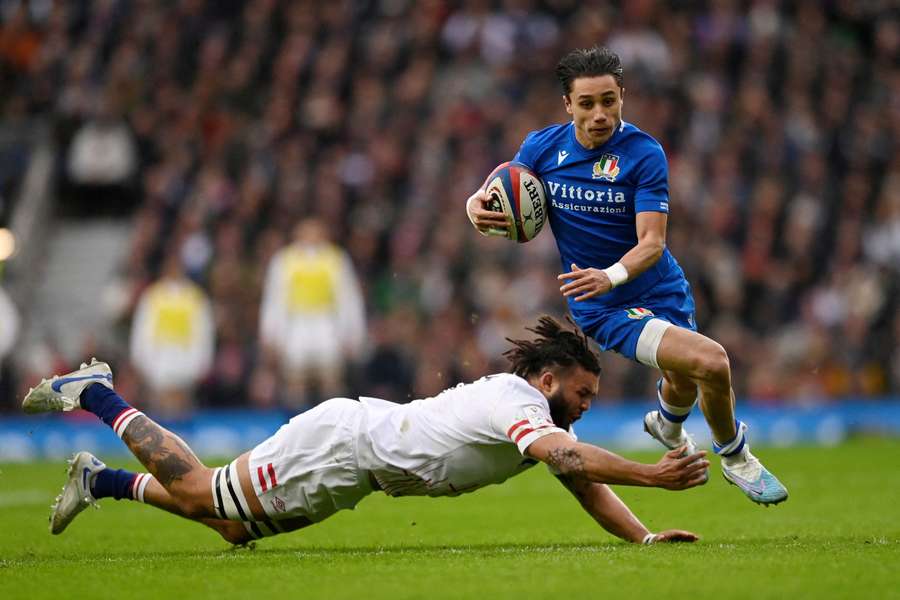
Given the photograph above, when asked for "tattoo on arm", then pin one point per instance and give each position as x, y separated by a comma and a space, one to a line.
161, 452
567, 460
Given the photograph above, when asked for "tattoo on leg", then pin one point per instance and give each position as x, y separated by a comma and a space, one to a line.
567, 460
162, 452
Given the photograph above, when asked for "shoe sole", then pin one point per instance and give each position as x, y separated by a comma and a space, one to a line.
40, 400
766, 504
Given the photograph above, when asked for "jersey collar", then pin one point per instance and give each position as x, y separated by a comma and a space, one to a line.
590, 152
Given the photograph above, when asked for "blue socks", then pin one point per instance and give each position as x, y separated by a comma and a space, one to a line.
113, 483
109, 407
735, 445
115, 412
119, 484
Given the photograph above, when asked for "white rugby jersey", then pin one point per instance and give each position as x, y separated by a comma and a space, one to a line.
463, 439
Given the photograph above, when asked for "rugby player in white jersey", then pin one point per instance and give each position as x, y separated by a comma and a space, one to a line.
329, 458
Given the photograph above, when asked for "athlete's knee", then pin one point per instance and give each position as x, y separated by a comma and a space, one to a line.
712, 364
233, 532
193, 501
194, 507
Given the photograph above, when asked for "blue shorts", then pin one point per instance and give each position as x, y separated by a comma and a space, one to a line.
618, 328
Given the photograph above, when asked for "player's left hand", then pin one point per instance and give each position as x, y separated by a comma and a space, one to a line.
674, 535
587, 283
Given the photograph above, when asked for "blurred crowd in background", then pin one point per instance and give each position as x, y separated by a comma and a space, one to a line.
219, 127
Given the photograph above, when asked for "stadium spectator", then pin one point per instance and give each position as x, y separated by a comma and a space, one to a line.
312, 318
172, 339
9, 331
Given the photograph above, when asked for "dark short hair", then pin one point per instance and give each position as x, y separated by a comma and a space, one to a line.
555, 346
588, 62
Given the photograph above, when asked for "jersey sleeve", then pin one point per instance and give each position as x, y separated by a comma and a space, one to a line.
652, 190
522, 415
527, 153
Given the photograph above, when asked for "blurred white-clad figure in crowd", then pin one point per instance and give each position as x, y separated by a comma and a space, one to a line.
173, 339
9, 324
312, 318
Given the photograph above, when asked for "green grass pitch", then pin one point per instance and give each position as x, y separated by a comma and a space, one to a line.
838, 536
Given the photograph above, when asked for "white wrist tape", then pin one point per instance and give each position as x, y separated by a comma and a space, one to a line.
649, 539
617, 274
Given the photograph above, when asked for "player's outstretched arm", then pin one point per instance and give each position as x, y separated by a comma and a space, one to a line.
599, 501
577, 459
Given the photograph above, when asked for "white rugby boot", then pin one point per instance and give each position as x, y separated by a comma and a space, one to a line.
61, 393
654, 426
76, 494
661, 431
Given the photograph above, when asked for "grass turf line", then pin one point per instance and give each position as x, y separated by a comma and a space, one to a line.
837, 536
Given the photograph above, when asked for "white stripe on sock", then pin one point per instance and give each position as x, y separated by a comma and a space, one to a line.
142, 485
738, 439
125, 420
676, 410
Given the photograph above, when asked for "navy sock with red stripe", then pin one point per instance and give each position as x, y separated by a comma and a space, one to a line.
113, 483
103, 402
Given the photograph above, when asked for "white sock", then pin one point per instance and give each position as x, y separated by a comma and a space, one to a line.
671, 428
737, 445
742, 456
140, 484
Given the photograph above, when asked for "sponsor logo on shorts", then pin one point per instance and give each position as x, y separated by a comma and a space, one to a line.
638, 313
278, 504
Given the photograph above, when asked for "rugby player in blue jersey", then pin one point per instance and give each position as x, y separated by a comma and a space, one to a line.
607, 191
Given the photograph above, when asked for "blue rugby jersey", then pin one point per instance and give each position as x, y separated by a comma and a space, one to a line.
593, 197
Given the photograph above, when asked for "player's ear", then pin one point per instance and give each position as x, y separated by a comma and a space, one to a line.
548, 382
568, 103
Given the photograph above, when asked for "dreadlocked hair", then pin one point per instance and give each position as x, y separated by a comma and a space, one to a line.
555, 346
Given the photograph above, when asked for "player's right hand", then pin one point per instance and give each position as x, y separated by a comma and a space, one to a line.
677, 472
670, 536
487, 222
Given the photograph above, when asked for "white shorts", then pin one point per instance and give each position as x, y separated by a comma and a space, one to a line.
309, 468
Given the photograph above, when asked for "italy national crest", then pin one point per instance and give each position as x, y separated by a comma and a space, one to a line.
638, 313
607, 168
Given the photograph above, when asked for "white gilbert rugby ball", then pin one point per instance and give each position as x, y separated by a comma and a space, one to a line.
514, 189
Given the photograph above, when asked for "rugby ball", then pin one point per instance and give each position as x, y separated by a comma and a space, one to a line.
514, 189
